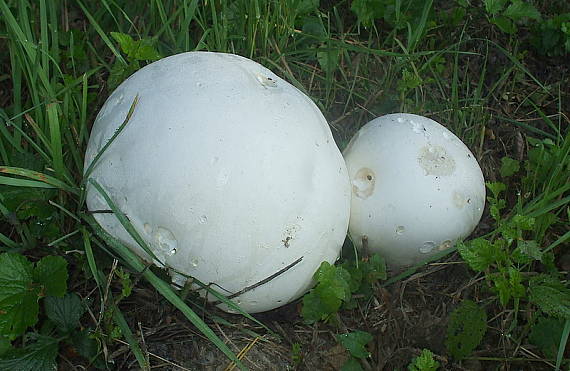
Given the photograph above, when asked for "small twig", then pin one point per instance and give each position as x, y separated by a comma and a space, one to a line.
264, 281
99, 211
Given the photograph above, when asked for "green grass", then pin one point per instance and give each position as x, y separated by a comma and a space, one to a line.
60, 61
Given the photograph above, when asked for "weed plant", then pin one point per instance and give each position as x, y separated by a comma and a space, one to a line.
63, 279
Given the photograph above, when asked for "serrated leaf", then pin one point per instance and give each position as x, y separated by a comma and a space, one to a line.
51, 273
546, 334
508, 284
526, 252
424, 362
509, 166
496, 188
494, 6
520, 9
36, 356
144, 50
479, 253
551, 296
18, 295
355, 343
523, 222
126, 42
467, 325
65, 312
314, 309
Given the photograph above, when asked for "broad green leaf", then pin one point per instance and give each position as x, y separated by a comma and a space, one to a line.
355, 343
37, 356
546, 334
65, 312
18, 295
467, 325
494, 6
551, 295
520, 9
314, 309
505, 24
51, 273
509, 167
328, 60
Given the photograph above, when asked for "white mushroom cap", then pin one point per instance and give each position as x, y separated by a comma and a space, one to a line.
228, 172
416, 188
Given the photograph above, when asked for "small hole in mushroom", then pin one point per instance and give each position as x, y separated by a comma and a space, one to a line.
369, 177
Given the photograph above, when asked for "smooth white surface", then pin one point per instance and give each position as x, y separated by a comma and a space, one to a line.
416, 188
227, 171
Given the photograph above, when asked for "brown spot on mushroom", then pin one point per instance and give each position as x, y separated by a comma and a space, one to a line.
363, 183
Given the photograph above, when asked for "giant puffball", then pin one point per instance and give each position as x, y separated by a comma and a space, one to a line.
228, 172
416, 188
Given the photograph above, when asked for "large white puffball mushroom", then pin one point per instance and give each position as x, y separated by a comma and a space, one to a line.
228, 172
416, 188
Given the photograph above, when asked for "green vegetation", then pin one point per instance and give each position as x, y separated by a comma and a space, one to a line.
493, 73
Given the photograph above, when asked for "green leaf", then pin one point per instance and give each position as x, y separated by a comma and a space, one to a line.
126, 42
367, 11
119, 72
546, 334
328, 60
467, 325
496, 188
355, 343
65, 312
508, 284
144, 50
505, 24
138, 50
551, 295
5, 345
51, 272
520, 9
424, 362
409, 80
18, 296
37, 356
526, 252
85, 344
494, 6
479, 253
523, 222
333, 287
351, 364
509, 167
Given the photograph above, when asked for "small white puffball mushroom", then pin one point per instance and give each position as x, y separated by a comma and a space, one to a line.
228, 172
416, 188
